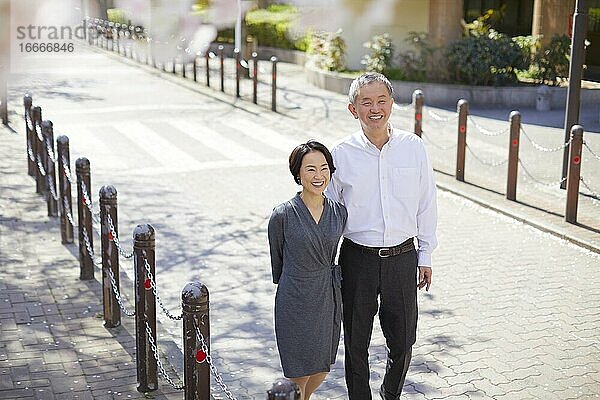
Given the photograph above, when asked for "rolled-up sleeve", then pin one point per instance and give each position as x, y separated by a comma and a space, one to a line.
427, 213
276, 239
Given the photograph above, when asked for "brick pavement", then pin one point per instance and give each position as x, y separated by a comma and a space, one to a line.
52, 341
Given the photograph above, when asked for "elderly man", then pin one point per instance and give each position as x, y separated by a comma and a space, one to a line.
385, 180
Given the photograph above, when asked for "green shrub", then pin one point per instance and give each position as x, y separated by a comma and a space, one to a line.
326, 50
552, 61
381, 53
422, 62
116, 15
486, 60
272, 27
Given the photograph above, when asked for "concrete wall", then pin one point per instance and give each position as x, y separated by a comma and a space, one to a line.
367, 18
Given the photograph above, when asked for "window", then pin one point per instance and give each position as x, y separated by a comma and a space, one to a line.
512, 17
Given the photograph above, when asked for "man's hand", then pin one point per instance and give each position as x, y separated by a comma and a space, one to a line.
424, 278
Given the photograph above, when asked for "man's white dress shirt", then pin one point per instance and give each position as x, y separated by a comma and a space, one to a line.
390, 194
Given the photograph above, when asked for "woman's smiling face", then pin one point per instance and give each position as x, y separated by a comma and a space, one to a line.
314, 173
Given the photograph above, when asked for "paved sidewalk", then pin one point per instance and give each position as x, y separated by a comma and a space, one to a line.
52, 341
513, 313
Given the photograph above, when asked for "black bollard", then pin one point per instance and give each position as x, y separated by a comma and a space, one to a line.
145, 307
195, 304
64, 184
274, 84
4, 95
37, 141
254, 77
222, 67
462, 108
513, 155
207, 62
574, 173
284, 389
195, 69
27, 102
418, 99
50, 166
174, 67
86, 238
110, 256
238, 65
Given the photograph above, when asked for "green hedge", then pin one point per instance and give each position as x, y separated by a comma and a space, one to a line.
270, 27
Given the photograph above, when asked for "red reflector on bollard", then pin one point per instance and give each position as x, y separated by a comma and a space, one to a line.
200, 356
515, 142
462, 129
418, 117
147, 283
576, 160
110, 236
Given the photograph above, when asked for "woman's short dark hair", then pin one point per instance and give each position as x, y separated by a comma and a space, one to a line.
303, 149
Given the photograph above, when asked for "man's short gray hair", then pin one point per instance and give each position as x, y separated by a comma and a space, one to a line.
366, 79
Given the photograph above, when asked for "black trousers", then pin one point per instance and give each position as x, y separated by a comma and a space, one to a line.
371, 283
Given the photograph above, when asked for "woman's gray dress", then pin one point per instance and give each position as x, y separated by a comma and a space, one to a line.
308, 301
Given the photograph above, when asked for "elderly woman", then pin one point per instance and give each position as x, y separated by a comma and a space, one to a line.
303, 237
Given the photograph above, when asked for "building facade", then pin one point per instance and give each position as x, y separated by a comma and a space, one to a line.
441, 19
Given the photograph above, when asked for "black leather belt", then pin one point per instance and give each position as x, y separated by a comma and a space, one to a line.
384, 252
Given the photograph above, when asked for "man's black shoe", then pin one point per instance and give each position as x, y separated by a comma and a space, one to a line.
387, 396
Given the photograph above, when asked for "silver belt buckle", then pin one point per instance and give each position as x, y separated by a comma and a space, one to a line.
387, 250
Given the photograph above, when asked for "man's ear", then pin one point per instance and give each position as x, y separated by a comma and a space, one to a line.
352, 109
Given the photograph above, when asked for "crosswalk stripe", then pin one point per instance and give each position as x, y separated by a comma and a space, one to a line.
156, 145
139, 107
83, 142
262, 134
219, 142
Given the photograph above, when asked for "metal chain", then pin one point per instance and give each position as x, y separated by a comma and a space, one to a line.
155, 291
537, 180
484, 162
434, 144
113, 283
86, 197
483, 131
30, 151
50, 153
213, 368
67, 212
542, 148
89, 248
157, 357
38, 132
594, 194
40, 166
28, 121
51, 188
67, 171
115, 238
439, 118
591, 151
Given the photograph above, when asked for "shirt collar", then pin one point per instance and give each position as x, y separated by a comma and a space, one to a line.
364, 141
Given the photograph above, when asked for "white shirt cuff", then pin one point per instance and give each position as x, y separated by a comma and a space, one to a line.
424, 259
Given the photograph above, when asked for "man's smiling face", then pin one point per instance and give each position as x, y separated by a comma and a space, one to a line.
373, 107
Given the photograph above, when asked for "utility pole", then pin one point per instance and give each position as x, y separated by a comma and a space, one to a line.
4, 58
575, 74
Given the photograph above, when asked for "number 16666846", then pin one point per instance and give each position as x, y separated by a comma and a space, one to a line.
46, 47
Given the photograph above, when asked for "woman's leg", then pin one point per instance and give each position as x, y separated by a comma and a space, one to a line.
314, 381
301, 382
